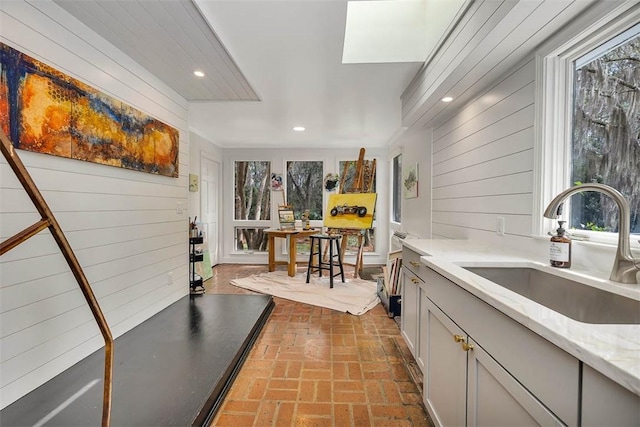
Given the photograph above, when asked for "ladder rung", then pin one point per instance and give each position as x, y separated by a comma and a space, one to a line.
23, 236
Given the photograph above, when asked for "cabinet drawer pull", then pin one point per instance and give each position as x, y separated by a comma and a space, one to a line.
415, 264
414, 280
467, 347
458, 338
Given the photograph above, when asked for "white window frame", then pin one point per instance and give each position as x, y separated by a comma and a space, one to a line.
555, 74
392, 188
247, 223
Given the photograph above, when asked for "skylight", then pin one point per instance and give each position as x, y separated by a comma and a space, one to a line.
396, 31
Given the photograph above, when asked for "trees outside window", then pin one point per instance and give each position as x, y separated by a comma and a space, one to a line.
252, 204
252, 195
250, 239
606, 131
304, 188
350, 175
369, 242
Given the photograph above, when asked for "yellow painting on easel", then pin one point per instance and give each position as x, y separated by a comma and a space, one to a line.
353, 211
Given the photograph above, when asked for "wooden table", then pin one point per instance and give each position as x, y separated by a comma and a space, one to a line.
293, 236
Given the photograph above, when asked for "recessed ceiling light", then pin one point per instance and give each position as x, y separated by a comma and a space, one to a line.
447, 99
198, 73
299, 128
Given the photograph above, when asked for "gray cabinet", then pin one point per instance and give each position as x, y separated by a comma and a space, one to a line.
464, 385
412, 315
535, 382
482, 368
445, 374
495, 398
606, 403
423, 318
409, 313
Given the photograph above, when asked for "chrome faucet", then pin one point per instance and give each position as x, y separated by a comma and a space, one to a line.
625, 267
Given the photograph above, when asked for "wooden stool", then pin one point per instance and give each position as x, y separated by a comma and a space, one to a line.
316, 241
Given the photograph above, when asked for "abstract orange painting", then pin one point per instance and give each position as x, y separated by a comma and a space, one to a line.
47, 111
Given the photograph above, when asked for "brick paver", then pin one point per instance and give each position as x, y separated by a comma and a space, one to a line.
312, 366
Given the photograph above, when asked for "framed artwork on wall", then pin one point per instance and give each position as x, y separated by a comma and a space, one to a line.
193, 182
46, 111
410, 182
276, 182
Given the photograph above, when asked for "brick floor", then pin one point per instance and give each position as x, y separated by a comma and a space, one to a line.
313, 366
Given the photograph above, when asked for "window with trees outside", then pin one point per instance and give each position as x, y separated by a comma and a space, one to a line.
304, 192
396, 189
304, 188
252, 208
606, 131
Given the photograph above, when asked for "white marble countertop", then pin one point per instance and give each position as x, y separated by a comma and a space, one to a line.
612, 349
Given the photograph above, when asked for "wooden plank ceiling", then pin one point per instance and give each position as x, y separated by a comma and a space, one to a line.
171, 39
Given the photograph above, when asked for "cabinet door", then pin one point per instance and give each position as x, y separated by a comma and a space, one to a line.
445, 376
423, 318
495, 398
605, 402
409, 312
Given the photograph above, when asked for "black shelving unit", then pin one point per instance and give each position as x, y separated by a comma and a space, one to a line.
195, 280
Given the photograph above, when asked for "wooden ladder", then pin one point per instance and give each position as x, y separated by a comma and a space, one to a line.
49, 221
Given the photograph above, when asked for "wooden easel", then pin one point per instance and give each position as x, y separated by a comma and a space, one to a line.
363, 178
362, 183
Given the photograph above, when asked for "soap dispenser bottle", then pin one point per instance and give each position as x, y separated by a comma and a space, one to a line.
560, 250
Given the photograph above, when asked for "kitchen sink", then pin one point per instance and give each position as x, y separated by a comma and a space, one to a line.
573, 299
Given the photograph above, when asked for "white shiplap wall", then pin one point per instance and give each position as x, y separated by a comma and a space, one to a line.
482, 155
483, 161
123, 225
415, 146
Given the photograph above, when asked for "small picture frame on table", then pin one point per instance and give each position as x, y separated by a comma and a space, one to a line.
287, 220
